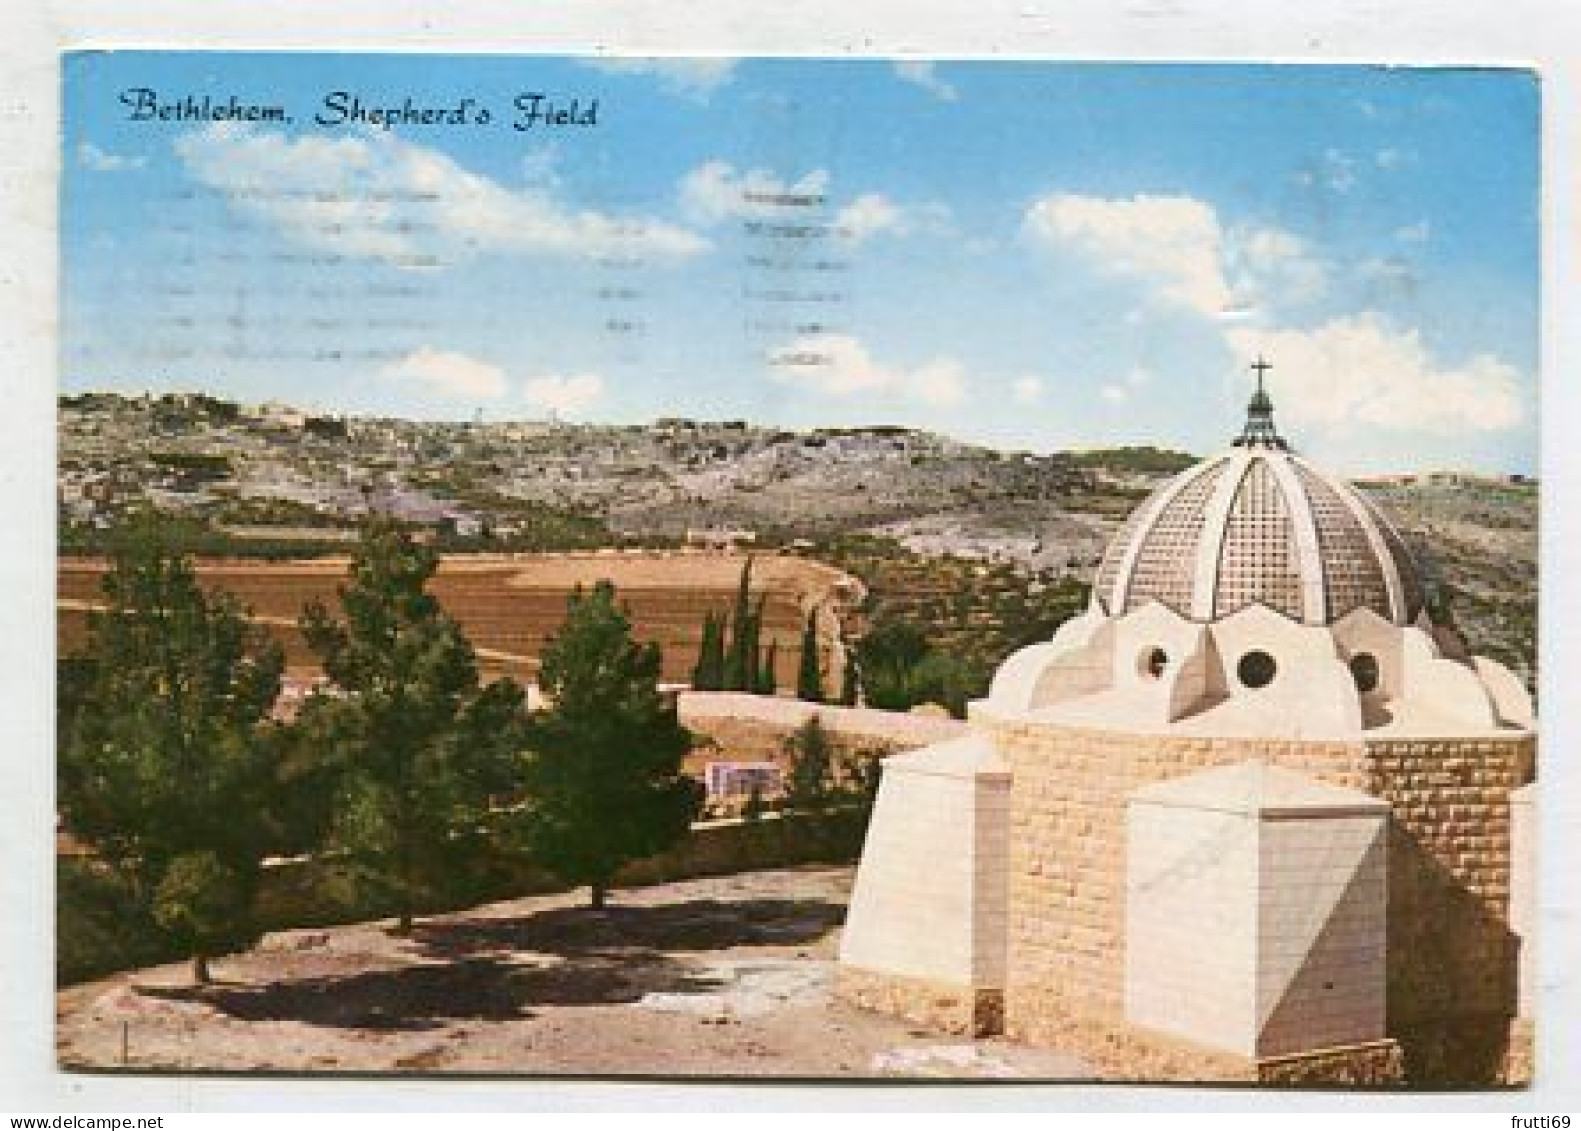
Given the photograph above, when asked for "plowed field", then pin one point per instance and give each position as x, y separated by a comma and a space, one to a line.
510, 605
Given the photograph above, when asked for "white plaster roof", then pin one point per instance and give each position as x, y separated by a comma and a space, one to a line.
968, 756
1258, 524
1258, 789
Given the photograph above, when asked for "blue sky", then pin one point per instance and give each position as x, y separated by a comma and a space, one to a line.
1031, 255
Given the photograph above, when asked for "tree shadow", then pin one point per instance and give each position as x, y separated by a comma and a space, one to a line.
691, 925
429, 995
486, 969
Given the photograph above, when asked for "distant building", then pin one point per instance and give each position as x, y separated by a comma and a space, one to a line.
733, 781
720, 538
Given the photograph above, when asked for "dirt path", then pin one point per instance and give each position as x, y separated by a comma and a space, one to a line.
721, 976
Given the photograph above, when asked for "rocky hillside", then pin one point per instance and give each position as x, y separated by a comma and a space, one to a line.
1478, 544
884, 501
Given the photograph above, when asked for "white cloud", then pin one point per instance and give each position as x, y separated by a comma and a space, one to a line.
1357, 370
564, 395
540, 165
1361, 369
1275, 263
1026, 390
924, 75
870, 214
716, 191
449, 374
1334, 170
90, 156
689, 78
1178, 245
376, 196
874, 214
1419, 232
1119, 392
840, 365
1171, 240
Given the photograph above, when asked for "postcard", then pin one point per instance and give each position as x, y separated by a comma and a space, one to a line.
842, 569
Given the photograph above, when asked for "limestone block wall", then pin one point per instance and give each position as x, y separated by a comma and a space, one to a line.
1066, 898
1191, 924
1523, 894
1255, 912
928, 902
1450, 956
1322, 926
753, 728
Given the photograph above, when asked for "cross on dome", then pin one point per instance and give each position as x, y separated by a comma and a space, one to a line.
1259, 431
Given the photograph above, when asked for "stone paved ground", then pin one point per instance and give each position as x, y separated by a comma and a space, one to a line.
722, 976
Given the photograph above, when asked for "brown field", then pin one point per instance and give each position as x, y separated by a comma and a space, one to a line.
510, 605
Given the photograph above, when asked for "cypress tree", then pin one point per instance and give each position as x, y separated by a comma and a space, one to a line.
752, 673
768, 682
809, 680
717, 660
708, 673
742, 655
850, 681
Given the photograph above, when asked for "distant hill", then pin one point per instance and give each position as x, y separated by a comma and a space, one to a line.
1141, 460
537, 485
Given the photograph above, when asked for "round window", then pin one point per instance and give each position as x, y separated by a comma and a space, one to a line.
1364, 670
1152, 662
1256, 669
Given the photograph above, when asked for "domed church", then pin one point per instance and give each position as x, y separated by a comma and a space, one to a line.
1253, 815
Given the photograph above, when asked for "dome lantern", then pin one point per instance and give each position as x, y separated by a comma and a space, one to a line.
1259, 431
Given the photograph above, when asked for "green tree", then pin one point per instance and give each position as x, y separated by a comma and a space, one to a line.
850, 681
415, 744
888, 656
860, 774
754, 807
945, 679
741, 656
168, 761
603, 778
809, 678
809, 780
767, 682
708, 674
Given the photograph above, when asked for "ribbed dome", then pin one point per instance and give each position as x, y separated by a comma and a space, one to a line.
1259, 524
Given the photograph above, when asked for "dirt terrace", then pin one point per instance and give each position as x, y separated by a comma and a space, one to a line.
510, 605
722, 976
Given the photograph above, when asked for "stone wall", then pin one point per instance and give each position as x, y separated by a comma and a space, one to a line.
1451, 962
310, 892
944, 921
738, 727
94, 914
941, 1006
1452, 956
1068, 852
1524, 836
